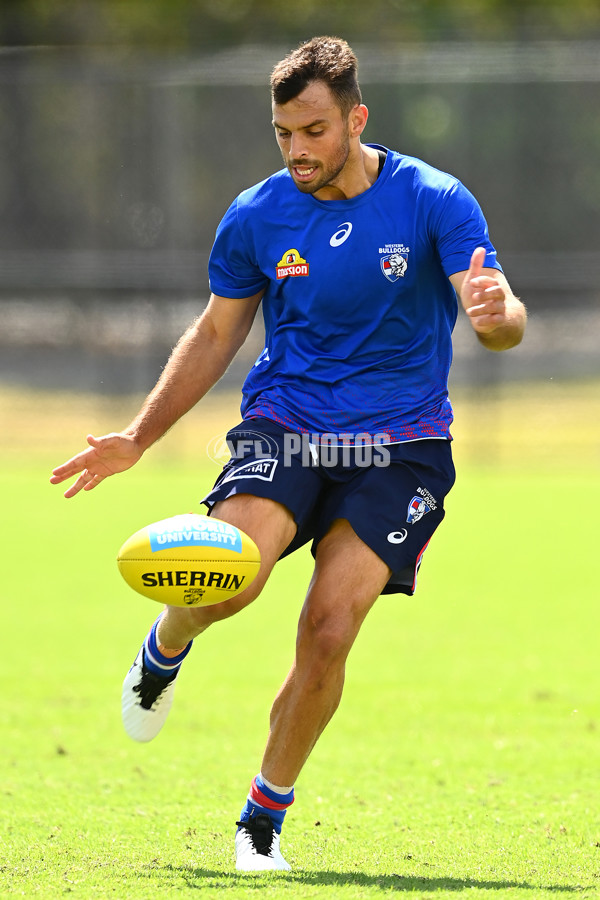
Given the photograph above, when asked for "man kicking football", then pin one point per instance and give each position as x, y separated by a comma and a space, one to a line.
359, 257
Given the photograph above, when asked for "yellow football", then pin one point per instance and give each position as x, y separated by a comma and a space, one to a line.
189, 560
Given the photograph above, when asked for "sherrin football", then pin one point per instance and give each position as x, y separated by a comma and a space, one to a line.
189, 560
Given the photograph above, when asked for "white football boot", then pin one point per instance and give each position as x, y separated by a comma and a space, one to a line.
145, 701
257, 846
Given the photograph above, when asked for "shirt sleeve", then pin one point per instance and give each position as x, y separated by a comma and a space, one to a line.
460, 228
232, 272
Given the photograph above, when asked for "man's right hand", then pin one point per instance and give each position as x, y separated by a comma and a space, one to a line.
105, 456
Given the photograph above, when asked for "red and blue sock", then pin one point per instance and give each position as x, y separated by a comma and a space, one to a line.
265, 798
157, 662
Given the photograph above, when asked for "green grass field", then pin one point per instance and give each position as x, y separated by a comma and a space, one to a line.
463, 761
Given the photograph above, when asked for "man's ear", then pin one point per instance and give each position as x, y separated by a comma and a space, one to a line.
357, 120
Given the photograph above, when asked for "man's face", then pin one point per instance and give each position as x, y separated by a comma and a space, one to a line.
313, 136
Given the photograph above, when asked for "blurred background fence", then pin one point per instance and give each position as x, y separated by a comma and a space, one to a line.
118, 161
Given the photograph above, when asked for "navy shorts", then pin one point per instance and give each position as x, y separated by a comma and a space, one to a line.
391, 494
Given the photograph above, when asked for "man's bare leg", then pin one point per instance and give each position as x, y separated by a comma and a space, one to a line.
347, 580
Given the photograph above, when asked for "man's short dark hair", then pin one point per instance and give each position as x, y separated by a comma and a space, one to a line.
326, 59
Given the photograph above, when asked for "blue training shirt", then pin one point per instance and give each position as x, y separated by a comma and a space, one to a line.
358, 308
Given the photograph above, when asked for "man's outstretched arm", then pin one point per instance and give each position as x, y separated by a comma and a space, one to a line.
200, 358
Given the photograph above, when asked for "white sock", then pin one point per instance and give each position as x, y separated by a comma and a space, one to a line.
276, 788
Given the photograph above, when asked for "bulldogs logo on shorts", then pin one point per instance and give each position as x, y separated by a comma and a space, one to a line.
417, 508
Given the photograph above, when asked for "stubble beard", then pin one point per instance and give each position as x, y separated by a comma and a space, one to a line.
328, 175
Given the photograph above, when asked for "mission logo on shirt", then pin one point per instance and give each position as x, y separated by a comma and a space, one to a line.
291, 263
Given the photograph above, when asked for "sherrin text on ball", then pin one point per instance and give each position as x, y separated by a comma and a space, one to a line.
189, 560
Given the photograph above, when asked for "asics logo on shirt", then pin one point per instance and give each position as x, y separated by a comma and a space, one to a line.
341, 235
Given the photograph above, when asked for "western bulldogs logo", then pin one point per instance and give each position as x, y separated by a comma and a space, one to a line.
417, 508
393, 259
394, 266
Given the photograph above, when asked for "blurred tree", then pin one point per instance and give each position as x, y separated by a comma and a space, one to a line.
206, 24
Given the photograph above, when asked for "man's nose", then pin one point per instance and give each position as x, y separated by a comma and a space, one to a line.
298, 148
